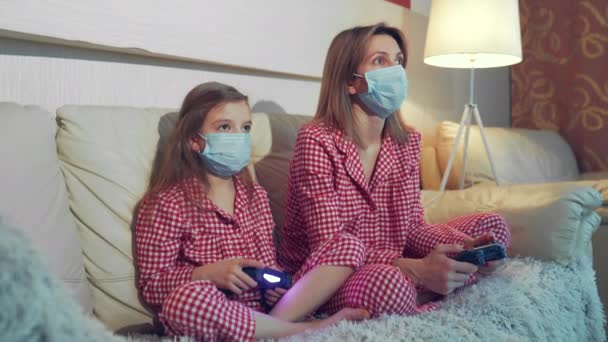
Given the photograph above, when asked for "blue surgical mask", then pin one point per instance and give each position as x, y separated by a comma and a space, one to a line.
226, 154
386, 90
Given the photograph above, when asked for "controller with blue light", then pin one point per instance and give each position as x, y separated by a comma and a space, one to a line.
482, 254
268, 278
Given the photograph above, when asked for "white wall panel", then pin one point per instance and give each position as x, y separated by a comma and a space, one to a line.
51, 76
289, 36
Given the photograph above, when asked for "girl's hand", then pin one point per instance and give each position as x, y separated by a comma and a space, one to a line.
228, 274
272, 296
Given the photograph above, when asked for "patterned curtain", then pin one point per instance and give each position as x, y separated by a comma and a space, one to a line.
562, 83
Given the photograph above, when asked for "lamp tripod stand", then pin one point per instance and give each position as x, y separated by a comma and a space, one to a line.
470, 110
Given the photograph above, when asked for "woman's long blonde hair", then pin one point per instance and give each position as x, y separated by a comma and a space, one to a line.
346, 52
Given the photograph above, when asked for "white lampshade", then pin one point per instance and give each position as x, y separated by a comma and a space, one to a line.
462, 30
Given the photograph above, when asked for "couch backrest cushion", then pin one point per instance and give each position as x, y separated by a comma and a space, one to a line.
34, 197
274, 137
520, 155
106, 155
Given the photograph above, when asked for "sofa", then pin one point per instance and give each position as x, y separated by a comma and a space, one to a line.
71, 180
537, 158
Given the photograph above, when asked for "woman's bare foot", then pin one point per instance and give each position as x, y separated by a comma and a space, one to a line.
346, 314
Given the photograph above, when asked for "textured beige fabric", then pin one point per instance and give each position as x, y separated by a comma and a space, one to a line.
520, 155
106, 155
430, 175
274, 137
551, 222
33, 193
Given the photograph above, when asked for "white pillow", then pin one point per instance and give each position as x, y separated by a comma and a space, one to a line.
33, 193
106, 155
520, 155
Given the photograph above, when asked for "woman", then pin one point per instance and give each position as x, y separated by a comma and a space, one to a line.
202, 220
354, 228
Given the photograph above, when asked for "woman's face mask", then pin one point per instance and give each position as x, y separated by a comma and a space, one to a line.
226, 154
386, 90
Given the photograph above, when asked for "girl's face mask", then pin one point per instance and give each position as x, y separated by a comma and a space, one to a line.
226, 154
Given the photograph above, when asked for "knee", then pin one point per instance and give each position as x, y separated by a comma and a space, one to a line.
188, 297
200, 310
497, 225
388, 290
344, 250
354, 244
346, 246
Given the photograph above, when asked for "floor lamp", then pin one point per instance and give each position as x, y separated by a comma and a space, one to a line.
472, 34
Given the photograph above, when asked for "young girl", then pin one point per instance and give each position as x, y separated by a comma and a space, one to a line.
354, 226
202, 220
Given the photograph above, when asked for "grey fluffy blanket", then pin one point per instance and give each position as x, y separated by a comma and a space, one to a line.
526, 301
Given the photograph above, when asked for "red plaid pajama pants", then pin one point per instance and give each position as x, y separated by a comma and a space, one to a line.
384, 289
198, 309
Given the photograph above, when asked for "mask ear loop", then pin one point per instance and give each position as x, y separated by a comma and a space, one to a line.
204, 139
359, 75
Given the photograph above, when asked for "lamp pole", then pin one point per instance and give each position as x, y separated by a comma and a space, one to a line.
470, 110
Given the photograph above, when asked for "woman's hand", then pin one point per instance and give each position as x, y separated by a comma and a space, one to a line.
485, 239
272, 296
438, 272
481, 240
228, 274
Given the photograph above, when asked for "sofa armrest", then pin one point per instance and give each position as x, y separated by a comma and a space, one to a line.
601, 185
546, 222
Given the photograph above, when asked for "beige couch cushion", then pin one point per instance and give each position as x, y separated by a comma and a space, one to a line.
106, 155
551, 222
34, 196
520, 155
274, 137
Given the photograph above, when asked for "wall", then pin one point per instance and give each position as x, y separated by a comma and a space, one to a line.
52, 75
279, 71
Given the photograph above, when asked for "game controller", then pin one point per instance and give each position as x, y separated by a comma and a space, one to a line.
268, 278
482, 254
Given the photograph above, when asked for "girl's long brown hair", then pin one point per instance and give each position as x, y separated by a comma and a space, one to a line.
175, 160
345, 53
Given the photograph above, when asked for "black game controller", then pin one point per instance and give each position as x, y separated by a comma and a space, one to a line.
482, 254
268, 278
